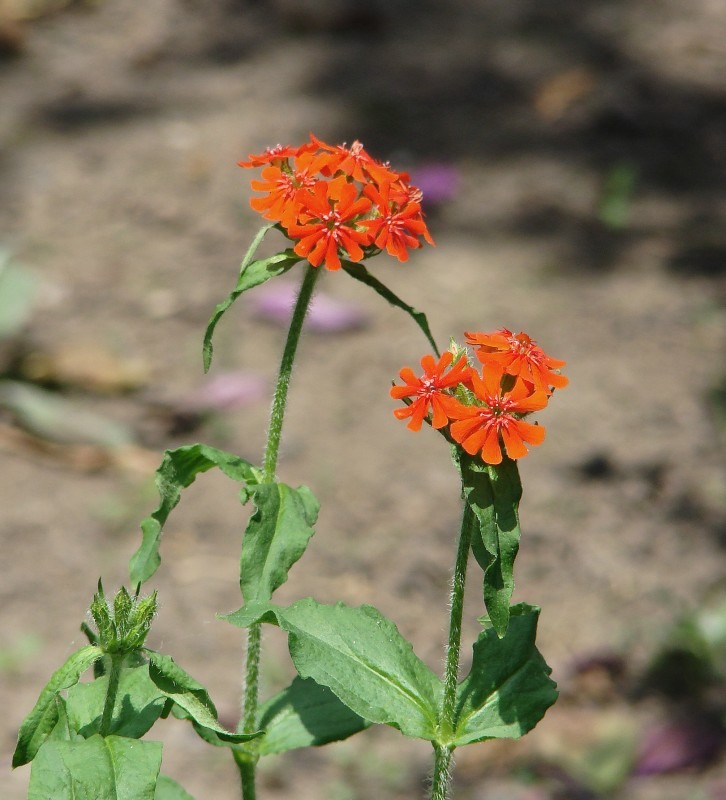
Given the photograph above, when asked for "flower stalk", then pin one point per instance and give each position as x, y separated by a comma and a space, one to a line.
447, 720
279, 402
246, 758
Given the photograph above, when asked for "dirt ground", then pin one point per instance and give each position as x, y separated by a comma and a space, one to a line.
583, 152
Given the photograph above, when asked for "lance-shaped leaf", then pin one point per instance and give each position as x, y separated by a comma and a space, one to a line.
251, 273
190, 696
360, 273
508, 689
362, 657
37, 726
305, 715
139, 703
111, 768
276, 536
177, 471
493, 494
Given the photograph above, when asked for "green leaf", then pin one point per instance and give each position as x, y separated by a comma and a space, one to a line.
305, 715
362, 657
251, 273
251, 613
111, 768
169, 789
62, 730
508, 689
276, 536
360, 273
189, 695
139, 703
177, 471
42, 719
493, 494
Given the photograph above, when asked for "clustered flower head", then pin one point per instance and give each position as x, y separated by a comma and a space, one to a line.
483, 410
335, 200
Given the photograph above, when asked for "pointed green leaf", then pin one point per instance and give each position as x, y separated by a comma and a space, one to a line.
251, 273
42, 719
189, 695
276, 536
177, 471
169, 789
251, 613
493, 493
366, 662
360, 273
508, 689
305, 715
139, 703
113, 768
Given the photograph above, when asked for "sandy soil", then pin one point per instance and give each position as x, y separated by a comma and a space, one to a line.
120, 127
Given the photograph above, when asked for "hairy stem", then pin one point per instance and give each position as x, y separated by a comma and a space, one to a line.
443, 749
246, 758
283, 381
440, 784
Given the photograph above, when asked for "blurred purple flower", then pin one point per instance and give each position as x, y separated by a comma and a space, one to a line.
679, 744
326, 315
438, 182
225, 392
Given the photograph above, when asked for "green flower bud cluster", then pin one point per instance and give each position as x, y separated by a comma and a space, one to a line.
122, 625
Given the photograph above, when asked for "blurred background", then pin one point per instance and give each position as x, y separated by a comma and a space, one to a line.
573, 161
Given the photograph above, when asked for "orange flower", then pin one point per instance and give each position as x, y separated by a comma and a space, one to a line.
328, 216
479, 428
519, 356
430, 392
353, 161
282, 183
275, 155
322, 195
396, 228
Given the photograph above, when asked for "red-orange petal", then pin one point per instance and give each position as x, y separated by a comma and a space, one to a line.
491, 451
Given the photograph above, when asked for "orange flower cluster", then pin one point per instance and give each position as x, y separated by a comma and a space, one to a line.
483, 411
338, 201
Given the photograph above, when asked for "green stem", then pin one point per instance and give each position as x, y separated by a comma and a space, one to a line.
246, 758
114, 677
442, 752
246, 762
440, 784
283, 381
